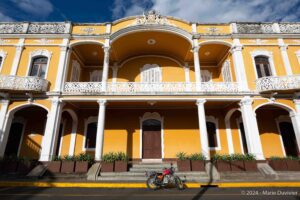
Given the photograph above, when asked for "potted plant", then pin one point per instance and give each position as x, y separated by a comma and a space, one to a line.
237, 162
54, 165
292, 163
183, 162
82, 163
68, 164
250, 162
278, 163
121, 162
107, 164
198, 162
222, 162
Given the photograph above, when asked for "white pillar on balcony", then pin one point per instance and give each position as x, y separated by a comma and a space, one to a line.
51, 131
105, 66
3, 119
285, 57
100, 130
115, 69
239, 66
16, 61
251, 128
202, 128
4, 135
295, 118
187, 72
66, 67
61, 65
196, 62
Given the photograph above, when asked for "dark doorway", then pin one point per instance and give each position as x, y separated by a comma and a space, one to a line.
243, 137
289, 139
60, 132
151, 130
14, 139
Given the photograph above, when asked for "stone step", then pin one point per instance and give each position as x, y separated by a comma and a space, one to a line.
188, 174
144, 178
147, 169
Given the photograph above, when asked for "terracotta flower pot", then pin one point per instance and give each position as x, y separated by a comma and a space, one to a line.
279, 165
222, 166
67, 166
184, 165
250, 165
198, 165
293, 165
81, 166
54, 166
107, 167
237, 165
121, 166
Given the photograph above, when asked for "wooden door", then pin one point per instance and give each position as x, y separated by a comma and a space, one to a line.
151, 144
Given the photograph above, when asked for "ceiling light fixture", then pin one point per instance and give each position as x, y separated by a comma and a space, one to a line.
151, 41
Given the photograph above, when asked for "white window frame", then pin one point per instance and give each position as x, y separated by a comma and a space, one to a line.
226, 67
3, 55
158, 117
96, 73
298, 55
76, 71
37, 53
214, 120
87, 121
238, 121
148, 67
206, 73
267, 54
282, 118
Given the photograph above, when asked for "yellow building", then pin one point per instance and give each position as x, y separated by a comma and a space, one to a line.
150, 86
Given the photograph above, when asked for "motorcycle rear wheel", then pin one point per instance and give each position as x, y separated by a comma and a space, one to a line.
151, 183
179, 184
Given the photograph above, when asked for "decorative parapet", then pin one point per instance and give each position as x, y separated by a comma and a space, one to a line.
278, 83
267, 28
138, 88
27, 84
35, 28
152, 17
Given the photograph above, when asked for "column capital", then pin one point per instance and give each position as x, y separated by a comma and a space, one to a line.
63, 48
102, 102
296, 101
283, 47
19, 47
195, 49
106, 49
56, 101
246, 101
200, 102
4, 101
236, 47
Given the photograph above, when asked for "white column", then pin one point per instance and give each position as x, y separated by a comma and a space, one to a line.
61, 66
3, 111
16, 61
285, 57
202, 128
105, 67
3, 121
51, 131
239, 66
187, 72
197, 64
115, 72
295, 117
4, 136
66, 67
100, 130
251, 128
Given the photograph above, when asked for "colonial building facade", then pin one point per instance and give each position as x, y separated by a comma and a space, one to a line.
150, 86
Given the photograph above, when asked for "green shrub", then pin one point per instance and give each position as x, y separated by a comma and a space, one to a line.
69, 158
109, 157
197, 156
249, 156
182, 156
221, 157
284, 158
56, 158
121, 156
244, 157
84, 157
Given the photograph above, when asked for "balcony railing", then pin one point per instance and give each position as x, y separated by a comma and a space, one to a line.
278, 83
19, 83
132, 88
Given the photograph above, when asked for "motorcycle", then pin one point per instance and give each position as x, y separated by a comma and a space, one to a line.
157, 180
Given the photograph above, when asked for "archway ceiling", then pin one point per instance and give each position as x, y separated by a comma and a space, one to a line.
166, 44
212, 54
90, 54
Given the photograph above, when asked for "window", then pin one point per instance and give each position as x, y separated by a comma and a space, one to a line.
262, 66
206, 76
226, 72
96, 76
212, 134
151, 73
38, 67
90, 140
75, 71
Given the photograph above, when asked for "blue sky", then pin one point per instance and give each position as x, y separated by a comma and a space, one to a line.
108, 10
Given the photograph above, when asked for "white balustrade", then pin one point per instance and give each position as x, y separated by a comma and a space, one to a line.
19, 83
277, 83
151, 88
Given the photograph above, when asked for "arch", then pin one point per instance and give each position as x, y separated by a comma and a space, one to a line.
222, 42
76, 43
36, 53
74, 129
276, 104
19, 107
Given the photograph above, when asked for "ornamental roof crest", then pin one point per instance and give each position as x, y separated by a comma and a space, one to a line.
152, 17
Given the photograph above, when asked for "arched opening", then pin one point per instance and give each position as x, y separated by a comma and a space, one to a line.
151, 134
288, 138
26, 132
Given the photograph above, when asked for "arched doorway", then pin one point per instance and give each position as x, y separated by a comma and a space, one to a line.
151, 139
288, 139
14, 139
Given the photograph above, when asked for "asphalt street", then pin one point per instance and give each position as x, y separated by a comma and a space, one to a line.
137, 194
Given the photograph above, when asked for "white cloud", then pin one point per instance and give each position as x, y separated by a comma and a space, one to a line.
5, 18
40, 8
220, 10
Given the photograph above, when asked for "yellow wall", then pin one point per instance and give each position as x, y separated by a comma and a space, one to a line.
6, 67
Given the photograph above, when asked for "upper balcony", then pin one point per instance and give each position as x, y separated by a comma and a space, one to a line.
278, 84
23, 84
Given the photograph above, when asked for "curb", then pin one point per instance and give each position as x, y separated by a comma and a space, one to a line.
143, 185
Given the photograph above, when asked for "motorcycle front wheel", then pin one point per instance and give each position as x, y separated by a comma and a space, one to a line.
179, 183
151, 183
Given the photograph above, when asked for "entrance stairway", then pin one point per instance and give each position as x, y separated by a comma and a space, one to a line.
137, 173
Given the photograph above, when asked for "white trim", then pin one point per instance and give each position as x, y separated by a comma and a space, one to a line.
222, 42
156, 116
282, 118
22, 121
19, 107
148, 68
238, 121
187, 72
215, 121
75, 68
298, 55
36, 53
88, 41
269, 55
227, 62
62, 136
3, 54
87, 121
276, 104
